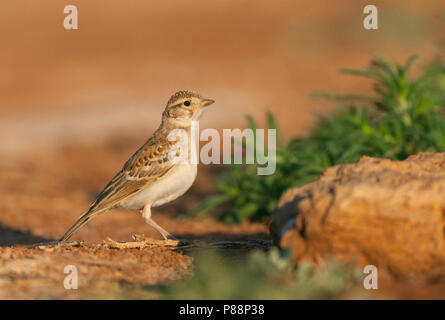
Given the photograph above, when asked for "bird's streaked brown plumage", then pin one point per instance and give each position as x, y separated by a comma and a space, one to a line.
149, 165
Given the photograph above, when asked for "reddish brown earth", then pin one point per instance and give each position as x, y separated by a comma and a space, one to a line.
102, 272
45, 196
42, 198
379, 212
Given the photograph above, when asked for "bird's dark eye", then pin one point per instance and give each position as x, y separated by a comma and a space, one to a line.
187, 103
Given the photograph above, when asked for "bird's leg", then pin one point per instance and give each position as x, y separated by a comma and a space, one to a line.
165, 234
146, 213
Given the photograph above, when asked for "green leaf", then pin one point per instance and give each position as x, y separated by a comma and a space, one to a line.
209, 203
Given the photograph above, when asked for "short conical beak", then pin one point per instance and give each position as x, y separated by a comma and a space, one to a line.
207, 102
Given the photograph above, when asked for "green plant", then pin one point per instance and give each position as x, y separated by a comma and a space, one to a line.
403, 117
260, 275
252, 195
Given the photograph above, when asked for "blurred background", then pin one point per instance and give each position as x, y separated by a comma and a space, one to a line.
75, 104
113, 75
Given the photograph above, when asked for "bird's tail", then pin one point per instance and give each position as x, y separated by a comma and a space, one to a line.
82, 220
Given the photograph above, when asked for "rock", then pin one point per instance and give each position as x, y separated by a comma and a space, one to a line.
390, 214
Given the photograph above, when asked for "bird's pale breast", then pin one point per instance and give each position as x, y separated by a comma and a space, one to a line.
167, 189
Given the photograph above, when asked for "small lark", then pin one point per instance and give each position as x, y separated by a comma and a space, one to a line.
149, 178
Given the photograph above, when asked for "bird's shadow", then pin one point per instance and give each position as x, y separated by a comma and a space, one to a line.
235, 246
11, 237
221, 236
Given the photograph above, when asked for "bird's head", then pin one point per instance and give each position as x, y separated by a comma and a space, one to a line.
185, 106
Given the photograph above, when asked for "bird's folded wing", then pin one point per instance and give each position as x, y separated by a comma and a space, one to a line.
148, 164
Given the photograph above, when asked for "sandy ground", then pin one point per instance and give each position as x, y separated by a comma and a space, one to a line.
74, 105
42, 198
